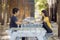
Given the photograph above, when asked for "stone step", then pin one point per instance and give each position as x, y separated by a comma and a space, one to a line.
3, 33
5, 37
56, 38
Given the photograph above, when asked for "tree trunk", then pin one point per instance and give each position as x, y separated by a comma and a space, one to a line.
58, 17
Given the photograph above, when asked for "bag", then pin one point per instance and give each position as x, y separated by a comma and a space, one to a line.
45, 26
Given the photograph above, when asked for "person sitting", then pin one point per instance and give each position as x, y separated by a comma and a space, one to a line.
46, 22
14, 21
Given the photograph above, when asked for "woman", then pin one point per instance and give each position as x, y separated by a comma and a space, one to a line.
46, 22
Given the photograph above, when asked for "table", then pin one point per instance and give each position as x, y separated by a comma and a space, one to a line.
27, 32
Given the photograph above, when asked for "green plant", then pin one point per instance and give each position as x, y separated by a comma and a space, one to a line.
41, 4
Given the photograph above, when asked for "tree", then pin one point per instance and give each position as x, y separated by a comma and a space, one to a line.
41, 4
